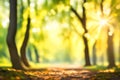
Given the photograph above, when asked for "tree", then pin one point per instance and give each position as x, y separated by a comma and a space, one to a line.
94, 54
83, 21
119, 50
24, 45
16, 63
29, 54
36, 54
110, 49
26, 38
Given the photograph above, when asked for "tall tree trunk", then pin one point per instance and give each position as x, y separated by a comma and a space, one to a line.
94, 54
83, 22
26, 38
119, 47
36, 54
119, 50
24, 45
16, 63
30, 54
86, 50
110, 51
87, 57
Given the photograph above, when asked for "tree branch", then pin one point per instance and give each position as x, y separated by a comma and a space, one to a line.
75, 12
101, 7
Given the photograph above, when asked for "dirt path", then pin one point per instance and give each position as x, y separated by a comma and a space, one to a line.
63, 74
57, 74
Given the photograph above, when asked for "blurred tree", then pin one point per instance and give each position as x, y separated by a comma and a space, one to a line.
29, 54
94, 54
115, 5
26, 38
83, 20
36, 54
119, 49
110, 33
110, 50
16, 63
33, 54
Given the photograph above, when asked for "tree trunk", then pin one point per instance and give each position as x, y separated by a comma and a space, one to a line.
119, 51
119, 48
15, 60
94, 54
24, 45
110, 51
86, 50
87, 57
83, 22
36, 54
26, 38
29, 54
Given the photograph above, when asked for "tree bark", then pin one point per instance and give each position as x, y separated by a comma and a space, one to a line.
119, 47
87, 57
29, 54
36, 54
94, 54
119, 50
110, 51
15, 60
83, 22
24, 45
26, 38
86, 50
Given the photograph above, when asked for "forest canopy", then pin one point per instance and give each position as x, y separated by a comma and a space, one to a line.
78, 32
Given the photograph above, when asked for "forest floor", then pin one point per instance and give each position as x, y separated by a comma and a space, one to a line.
59, 74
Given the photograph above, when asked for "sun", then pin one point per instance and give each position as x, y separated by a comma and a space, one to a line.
103, 21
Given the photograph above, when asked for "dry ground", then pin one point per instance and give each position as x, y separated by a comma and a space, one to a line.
57, 74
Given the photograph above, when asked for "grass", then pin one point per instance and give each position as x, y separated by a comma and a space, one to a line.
96, 68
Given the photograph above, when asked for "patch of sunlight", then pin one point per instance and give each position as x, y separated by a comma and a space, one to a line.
40, 65
103, 22
32, 5
87, 35
25, 15
5, 23
107, 11
95, 67
52, 25
111, 30
108, 70
89, 5
52, 11
55, 65
110, 33
67, 8
35, 30
25, 1
118, 6
40, 2
31, 40
65, 25
4, 62
60, 7
6, 3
